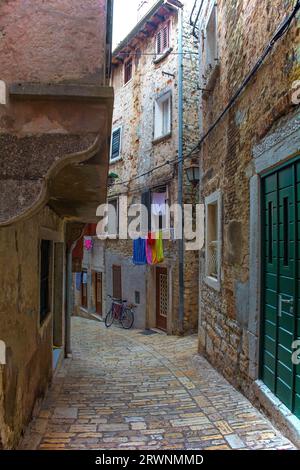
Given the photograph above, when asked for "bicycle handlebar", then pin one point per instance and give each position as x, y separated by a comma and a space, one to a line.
117, 300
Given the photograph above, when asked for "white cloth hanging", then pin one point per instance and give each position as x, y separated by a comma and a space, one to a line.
158, 205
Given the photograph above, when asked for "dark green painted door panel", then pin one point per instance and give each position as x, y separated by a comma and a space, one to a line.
281, 282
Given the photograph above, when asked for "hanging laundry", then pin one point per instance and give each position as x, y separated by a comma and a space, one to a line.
84, 278
151, 239
151, 249
154, 248
78, 278
139, 252
159, 248
158, 206
149, 255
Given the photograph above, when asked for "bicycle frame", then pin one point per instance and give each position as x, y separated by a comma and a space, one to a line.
118, 310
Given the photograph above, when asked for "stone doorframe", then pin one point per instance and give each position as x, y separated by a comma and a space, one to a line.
275, 149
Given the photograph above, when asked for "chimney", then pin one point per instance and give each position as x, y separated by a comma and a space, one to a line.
144, 7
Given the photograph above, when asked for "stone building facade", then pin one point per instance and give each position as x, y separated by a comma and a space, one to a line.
55, 124
248, 313
145, 78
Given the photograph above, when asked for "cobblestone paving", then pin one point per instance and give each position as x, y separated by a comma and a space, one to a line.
125, 390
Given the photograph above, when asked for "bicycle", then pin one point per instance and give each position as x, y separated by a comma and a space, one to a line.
120, 311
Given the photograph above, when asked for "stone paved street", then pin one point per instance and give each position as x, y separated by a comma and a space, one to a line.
125, 390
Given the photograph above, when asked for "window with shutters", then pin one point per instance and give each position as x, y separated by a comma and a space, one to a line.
45, 261
115, 153
128, 71
213, 240
163, 39
117, 282
162, 116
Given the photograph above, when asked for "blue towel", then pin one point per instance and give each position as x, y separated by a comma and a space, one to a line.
78, 281
139, 252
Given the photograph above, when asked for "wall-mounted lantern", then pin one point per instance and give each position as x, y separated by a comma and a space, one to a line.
193, 174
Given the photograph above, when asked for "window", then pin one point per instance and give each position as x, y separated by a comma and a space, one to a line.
127, 71
45, 279
113, 216
137, 297
210, 42
157, 209
213, 240
117, 282
163, 39
115, 150
162, 116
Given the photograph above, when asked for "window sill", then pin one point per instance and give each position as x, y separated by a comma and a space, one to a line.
115, 160
127, 83
158, 140
162, 56
213, 283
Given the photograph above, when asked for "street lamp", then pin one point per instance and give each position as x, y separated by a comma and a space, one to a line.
193, 174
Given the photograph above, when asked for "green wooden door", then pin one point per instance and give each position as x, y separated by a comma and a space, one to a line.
281, 283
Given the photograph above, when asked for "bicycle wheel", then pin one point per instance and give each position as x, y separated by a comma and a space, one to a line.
109, 319
127, 319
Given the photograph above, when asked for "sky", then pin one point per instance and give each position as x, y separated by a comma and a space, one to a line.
125, 18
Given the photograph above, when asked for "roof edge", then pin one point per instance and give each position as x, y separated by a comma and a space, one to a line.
173, 3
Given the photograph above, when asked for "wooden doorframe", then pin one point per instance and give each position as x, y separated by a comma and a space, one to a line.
161, 321
96, 275
275, 171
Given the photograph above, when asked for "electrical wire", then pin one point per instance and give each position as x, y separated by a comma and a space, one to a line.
281, 30
154, 53
192, 12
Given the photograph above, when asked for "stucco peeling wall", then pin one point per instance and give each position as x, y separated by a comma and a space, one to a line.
28, 370
57, 41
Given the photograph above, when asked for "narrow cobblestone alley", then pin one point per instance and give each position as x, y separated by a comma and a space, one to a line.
125, 390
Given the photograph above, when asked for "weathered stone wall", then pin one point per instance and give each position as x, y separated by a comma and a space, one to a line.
134, 111
244, 29
28, 368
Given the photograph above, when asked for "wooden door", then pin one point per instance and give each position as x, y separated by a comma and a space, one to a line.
84, 301
98, 293
162, 303
280, 275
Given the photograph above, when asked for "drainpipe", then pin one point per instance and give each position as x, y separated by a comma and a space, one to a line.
180, 168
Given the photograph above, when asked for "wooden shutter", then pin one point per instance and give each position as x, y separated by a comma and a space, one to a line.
84, 302
115, 146
165, 37
128, 71
158, 43
162, 39
117, 282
